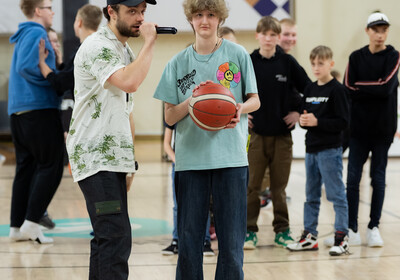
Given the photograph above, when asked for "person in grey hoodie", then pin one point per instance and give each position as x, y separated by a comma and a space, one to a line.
36, 126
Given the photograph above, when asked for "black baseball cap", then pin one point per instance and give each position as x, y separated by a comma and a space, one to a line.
130, 3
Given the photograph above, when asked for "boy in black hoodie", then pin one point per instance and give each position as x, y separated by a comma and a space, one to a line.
271, 142
325, 116
371, 78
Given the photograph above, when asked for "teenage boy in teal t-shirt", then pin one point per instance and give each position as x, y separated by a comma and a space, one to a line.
209, 162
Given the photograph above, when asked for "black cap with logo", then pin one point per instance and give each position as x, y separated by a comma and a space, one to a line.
130, 3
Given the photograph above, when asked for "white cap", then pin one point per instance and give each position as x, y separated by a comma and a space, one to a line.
377, 19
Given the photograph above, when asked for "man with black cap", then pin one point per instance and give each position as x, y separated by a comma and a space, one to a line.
99, 143
371, 78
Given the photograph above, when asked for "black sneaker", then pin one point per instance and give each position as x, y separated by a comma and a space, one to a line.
171, 249
47, 222
208, 251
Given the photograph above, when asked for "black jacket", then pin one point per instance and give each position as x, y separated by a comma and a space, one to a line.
372, 82
63, 80
279, 81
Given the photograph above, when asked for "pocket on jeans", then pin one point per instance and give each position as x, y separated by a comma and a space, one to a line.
110, 221
108, 207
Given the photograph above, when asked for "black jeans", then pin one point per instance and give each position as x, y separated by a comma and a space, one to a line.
106, 202
38, 141
358, 155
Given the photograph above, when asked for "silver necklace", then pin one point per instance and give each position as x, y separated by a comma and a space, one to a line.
212, 52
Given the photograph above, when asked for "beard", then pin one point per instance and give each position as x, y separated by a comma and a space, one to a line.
125, 30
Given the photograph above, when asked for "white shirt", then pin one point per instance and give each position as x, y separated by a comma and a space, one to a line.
100, 137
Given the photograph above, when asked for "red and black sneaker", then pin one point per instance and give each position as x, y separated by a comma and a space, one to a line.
307, 242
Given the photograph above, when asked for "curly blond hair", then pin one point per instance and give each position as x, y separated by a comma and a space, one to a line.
218, 7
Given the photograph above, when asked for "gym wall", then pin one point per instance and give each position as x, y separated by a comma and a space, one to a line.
338, 24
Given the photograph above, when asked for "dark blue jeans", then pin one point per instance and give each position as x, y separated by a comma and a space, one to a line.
106, 201
228, 189
358, 155
175, 212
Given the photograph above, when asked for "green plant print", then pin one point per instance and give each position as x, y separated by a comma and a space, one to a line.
71, 130
104, 146
106, 54
76, 157
125, 144
85, 66
81, 166
97, 106
78, 151
110, 159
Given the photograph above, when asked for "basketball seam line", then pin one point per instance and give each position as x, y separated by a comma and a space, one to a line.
222, 115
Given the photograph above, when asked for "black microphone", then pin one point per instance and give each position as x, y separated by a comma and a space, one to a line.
166, 30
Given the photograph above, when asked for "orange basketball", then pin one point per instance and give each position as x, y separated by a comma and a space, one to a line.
212, 106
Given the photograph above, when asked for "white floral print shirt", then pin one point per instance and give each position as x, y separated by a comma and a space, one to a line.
100, 137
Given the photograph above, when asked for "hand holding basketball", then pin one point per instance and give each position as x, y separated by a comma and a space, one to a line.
212, 106
236, 118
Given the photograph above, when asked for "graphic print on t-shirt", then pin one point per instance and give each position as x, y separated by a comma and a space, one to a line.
228, 74
186, 82
317, 100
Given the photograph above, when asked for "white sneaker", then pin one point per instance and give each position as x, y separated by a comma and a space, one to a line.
374, 238
329, 241
354, 239
15, 235
307, 242
33, 232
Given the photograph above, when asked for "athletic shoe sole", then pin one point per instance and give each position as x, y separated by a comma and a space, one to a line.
302, 250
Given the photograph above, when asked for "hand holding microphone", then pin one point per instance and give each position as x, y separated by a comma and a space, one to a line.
166, 30
147, 31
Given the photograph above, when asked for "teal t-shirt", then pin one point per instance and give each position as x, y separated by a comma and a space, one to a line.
195, 148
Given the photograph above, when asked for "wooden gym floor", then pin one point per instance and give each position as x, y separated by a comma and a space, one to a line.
150, 206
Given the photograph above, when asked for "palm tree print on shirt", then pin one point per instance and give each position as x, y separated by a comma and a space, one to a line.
107, 55
97, 106
105, 149
76, 157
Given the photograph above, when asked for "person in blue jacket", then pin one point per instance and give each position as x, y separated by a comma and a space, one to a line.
36, 128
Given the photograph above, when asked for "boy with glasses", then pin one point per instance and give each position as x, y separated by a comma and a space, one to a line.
35, 124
